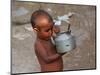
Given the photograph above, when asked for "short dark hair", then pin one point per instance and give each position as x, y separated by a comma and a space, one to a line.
39, 13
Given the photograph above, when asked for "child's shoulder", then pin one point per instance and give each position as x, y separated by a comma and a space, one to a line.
38, 42
38, 45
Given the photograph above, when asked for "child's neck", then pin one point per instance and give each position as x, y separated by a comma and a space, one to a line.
42, 39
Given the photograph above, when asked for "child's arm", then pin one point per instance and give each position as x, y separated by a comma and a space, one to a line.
43, 54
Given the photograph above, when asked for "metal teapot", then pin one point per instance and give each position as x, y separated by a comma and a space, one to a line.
64, 41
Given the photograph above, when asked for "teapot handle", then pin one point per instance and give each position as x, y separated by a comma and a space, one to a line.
68, 27
69, 31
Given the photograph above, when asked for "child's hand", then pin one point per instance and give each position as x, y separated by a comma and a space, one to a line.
56, 29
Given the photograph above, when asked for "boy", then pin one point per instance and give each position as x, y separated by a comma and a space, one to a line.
45, 51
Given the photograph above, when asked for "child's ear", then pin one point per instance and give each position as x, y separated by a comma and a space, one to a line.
36, 29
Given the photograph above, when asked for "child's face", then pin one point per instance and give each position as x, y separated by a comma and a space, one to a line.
45, 28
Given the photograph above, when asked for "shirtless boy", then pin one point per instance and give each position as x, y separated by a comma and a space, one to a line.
45, 50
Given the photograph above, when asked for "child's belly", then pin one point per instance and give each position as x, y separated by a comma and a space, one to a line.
54, 66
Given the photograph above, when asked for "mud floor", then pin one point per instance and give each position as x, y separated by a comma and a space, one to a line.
83, 26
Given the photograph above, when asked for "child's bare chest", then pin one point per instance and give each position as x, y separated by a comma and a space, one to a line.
49, 47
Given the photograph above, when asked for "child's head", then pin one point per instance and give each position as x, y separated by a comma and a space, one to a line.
42, 22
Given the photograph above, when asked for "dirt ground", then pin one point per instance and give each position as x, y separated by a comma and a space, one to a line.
83, 24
